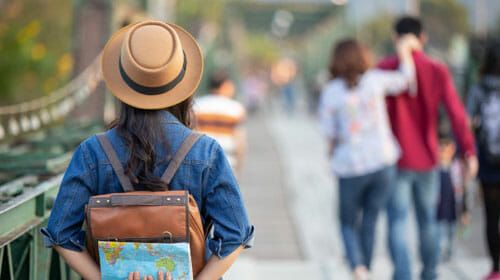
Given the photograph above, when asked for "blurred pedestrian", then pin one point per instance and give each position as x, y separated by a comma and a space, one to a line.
452, 199
283, 75
484, 106
254, 89
362, 148
221, 117
414, 123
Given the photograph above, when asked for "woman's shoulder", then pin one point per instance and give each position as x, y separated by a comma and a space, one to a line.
332, 90
92, 148
204, 150
334, 85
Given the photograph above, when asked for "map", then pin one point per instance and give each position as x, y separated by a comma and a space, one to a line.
118, 259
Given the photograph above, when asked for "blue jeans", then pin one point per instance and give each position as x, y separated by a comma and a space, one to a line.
361, 199
446, 231
423, 188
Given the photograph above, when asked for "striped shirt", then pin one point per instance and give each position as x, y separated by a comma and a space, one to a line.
219, 117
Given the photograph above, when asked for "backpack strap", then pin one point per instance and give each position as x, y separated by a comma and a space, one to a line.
115, 163
179, 156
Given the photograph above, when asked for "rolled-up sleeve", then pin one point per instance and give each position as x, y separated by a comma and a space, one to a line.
225, 208
64, 227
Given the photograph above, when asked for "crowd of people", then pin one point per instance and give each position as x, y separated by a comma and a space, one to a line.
389, 151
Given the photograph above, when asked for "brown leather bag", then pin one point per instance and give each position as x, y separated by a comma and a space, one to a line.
145, 216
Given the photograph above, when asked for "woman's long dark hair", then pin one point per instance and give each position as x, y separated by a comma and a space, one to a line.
141, 131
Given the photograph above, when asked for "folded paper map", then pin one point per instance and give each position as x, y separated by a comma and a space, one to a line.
118, 259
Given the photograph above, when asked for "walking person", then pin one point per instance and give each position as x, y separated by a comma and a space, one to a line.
414, 123
452, 205
484, 107
153, 68
221, 117
362, 148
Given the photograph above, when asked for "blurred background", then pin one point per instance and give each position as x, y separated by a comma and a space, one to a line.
277, 52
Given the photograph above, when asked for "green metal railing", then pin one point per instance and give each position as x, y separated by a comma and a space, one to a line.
31, 170
22, 253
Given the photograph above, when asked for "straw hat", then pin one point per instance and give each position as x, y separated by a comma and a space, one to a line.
152, 65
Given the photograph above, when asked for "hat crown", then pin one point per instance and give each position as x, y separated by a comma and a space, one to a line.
151, 46
152, 54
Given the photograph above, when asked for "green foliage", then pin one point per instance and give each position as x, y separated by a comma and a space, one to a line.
443, 19
261, 50
192, 13
34, 48
377, 32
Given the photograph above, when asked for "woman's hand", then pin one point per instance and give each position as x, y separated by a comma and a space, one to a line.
408, 43
405, 45
161, 276
465, 219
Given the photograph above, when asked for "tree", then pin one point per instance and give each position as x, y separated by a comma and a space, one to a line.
376, 33
35, 44
442, 20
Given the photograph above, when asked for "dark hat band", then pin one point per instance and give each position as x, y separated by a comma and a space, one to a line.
153, 90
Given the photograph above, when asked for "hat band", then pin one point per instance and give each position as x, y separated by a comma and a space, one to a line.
153, 90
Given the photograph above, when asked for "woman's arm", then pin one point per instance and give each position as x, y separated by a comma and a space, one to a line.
216, 267
81, 262
397, 82
327, 118
64, 230
331, 147
223, 205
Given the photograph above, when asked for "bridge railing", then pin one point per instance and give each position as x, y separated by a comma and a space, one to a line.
25, 201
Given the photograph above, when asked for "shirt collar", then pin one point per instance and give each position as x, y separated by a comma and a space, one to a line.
167, 117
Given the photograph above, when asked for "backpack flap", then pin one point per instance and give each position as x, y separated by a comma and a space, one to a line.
140, 217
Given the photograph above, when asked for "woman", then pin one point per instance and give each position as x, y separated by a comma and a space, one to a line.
361, 145
153, 68
484, 107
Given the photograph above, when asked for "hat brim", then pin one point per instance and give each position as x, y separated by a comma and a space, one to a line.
182, 91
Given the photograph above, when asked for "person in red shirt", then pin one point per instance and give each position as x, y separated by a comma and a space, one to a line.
414, 121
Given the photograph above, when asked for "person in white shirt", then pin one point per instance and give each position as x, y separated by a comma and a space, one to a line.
362, 147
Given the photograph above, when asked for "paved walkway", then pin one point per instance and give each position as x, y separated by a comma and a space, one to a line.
292, 201
265, 196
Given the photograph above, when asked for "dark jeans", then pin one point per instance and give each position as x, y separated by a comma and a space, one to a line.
491, 196
361, 199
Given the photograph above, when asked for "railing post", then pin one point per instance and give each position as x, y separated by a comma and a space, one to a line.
2, 250
33, 254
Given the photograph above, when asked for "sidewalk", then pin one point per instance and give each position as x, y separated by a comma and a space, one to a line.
308, 193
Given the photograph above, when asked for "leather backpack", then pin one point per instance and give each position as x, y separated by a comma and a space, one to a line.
146, 216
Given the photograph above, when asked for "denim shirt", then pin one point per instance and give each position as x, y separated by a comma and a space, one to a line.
205, 173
